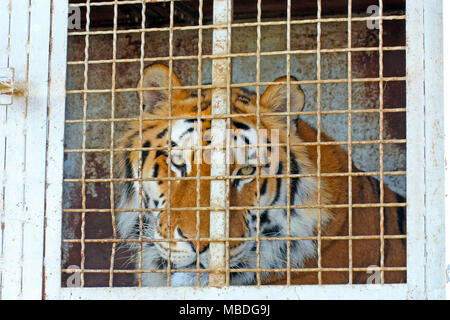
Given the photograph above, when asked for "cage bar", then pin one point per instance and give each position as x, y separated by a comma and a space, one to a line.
219, 105
219, 269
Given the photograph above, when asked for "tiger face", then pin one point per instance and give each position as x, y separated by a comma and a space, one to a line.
181, 180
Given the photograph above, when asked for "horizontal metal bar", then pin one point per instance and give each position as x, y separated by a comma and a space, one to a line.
226, 177
230, 116
239, 55
240, 85
322, 143
303, 270
351, 292
238, 25
144, 240
328, 206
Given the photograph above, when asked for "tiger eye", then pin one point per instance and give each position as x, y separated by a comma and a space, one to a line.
246, 171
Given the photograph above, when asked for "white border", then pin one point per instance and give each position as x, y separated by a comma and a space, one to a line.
446, 19
435, 271
25, 152
425, 216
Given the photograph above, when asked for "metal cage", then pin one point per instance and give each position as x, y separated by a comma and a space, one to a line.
37, 251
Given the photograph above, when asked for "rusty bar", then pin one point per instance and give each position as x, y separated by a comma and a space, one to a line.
239, 25
141, 115
199, 133
319, 139
323, 143
303, 270
350, 138
329, 206
247, 54
225, 177
206, 117
368, 237
240, 85
381, 136
221, 73
288, 147
228, 150
83, 146
111, 157
258, 124
169, 149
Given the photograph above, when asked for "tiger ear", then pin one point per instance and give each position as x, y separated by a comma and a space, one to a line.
158, 76
275, 97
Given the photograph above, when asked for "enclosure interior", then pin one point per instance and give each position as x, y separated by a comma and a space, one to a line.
378, 107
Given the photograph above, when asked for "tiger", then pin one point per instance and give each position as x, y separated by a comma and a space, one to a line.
322, 214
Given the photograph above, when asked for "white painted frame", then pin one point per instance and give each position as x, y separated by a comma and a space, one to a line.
23, 135
36, 272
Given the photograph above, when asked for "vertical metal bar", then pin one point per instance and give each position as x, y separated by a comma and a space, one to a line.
221, 73
258, 124
288, 146
350, 139
83, 144
35, 153
169, 192
319, 138
111, 154
381, 137
55, 151
415, 102
141, 115
198, 152
435, 273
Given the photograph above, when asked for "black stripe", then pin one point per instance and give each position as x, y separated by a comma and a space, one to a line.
155, 170
186, 132
129, 190
145, 153
146, 200
160, 153
263, 188
264, 218
162, 133
241, 125
295, 169
272, 231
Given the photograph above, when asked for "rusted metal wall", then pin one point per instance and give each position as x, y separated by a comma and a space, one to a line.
365, 95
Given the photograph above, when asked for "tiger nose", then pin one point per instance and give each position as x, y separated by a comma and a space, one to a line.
193, 242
